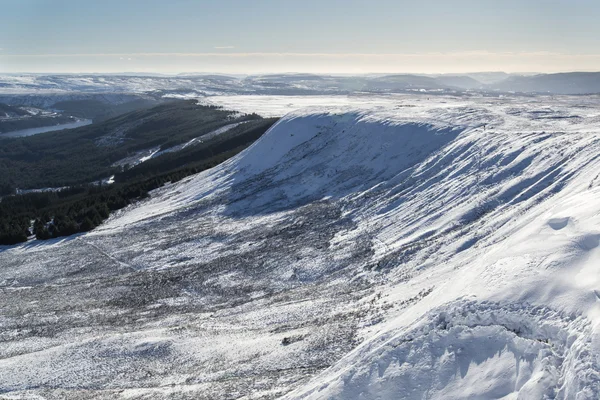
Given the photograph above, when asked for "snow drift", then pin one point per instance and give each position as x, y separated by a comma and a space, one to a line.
414, 250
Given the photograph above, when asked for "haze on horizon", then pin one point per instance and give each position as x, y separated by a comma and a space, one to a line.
326, 36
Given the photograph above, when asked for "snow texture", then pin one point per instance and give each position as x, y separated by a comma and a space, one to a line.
404, 248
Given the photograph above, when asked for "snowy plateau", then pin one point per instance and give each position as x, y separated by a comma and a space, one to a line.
393, 247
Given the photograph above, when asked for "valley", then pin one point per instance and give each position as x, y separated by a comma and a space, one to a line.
431, 246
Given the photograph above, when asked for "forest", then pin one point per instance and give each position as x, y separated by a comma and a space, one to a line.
86, 154
80, 207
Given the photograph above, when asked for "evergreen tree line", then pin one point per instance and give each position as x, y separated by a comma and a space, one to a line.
89, 153
47, 215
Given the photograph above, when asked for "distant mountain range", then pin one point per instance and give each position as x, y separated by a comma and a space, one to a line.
567, 83
296, 84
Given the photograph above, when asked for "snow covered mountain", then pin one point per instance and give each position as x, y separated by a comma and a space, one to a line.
114, 88
439, 249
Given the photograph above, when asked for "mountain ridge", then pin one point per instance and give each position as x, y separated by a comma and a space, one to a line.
346, 254
295, 84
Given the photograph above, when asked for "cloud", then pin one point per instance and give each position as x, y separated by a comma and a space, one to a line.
224, 47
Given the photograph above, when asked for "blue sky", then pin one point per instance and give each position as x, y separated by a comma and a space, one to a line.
351, 36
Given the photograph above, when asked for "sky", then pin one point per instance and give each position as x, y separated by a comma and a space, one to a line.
319, 36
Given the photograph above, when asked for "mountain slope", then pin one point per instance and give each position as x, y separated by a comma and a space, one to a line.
459, 81
90, 153
564, 83
102, 96
444, 250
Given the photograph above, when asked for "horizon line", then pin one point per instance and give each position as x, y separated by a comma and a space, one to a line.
305, 54
350, 74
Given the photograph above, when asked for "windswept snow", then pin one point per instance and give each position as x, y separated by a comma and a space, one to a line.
404, 248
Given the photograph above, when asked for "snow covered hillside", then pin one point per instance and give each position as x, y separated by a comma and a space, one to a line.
412, 249
201, 85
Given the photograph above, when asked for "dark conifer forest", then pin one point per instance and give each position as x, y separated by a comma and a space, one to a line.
78, 160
